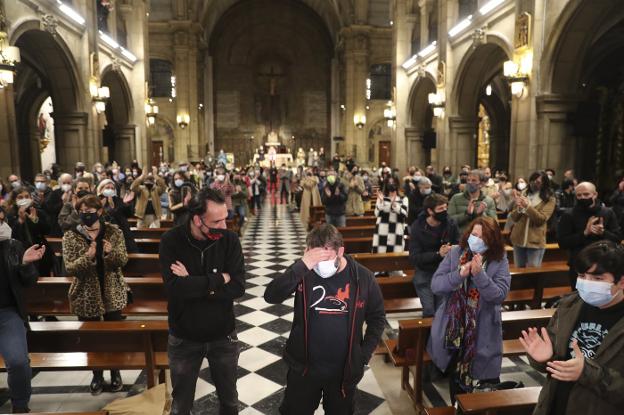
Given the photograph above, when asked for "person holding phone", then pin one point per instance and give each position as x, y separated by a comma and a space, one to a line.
17, 270
588, 222
431, 236
391, 211
180, 193
148, 187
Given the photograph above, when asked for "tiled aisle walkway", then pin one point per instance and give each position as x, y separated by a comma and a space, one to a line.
271, 243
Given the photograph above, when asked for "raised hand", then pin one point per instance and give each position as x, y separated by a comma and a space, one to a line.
476, 265
464, 270
313, 256
92, 249
107, 247
568, 370
33, 254
538, 347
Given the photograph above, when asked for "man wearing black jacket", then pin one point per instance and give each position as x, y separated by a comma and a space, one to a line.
16, 271
334, 296
587, 222
203, 270
431, 237
334, 198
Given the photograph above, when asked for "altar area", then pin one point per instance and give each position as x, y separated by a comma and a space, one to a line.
273, 151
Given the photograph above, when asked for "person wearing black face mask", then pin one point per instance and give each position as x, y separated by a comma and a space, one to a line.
203, 270
431, 237
588, 222
95, 258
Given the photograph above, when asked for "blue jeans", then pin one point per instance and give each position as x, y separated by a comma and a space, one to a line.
14, 351
185, 359
528, 257
422, 285
337, 221
240, 211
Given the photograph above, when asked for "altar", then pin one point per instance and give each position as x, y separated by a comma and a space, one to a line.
273, 151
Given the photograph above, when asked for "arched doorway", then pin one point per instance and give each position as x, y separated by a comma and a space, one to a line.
118, 134
482, 105
271, 63
47, 71
583, 60
420, 122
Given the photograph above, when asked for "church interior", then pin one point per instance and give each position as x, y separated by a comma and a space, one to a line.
237, 86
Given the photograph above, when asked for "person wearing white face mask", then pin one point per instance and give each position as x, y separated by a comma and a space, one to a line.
473, 280
16, 272
334, 297
116, 211
225, 186
581, 348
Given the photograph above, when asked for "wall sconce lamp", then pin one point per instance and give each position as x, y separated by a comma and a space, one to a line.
359, 120
517, 78
99, 95
390, 114
183, 120
437, 101
151, 111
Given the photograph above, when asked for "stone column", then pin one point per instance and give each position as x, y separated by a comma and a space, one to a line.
9, 156
414, 138
555, 147
334, 103
208, 104
461, 147
402, 40
356, 56
70, 131
183, 88
424, 22
124, 144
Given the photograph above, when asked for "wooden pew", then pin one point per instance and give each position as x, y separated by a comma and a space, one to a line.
142, 264
357, 231
99, 345
68, 413
146, 246
49, 296
408, 350
520, 401
148, 233
361, 220
553, 253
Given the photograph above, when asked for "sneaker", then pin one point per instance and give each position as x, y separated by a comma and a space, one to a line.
97, 385
116, 382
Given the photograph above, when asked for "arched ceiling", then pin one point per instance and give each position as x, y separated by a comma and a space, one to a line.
334, 13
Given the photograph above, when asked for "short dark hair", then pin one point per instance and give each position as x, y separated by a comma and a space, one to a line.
90, 201
199, 203
434, 200
608, 256
324, 235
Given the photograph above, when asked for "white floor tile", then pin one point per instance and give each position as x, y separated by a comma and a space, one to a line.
257, 318
253, 388
73, 378
203, 388
256, 336
255, 359
260, 280
261, 271
258, 292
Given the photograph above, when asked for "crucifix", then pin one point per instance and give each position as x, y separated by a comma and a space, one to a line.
273, 102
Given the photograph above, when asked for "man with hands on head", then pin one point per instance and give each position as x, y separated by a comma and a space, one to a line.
202, 265
17, 270
326, 352
581, 348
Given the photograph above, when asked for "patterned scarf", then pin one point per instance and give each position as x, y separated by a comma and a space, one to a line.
461, 331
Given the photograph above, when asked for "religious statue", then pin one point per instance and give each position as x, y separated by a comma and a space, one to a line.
269, 106
315, 159
300, 157
261, 154
272, 154
222, 158
311, 157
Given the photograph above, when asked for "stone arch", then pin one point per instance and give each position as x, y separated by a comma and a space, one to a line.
48, 68
119, 132
576, 30
418, 110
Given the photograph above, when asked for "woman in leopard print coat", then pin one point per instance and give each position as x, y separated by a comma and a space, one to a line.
94, 254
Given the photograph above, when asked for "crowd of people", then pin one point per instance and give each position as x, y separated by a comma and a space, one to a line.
455, 245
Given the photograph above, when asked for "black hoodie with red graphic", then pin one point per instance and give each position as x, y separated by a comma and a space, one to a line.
363, 292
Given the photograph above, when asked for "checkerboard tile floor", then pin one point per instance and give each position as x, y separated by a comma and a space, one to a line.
273, 240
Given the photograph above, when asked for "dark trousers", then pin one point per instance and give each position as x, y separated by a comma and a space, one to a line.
454, 386
185, 359
303, 395
110, 316
422, 285
14, 351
